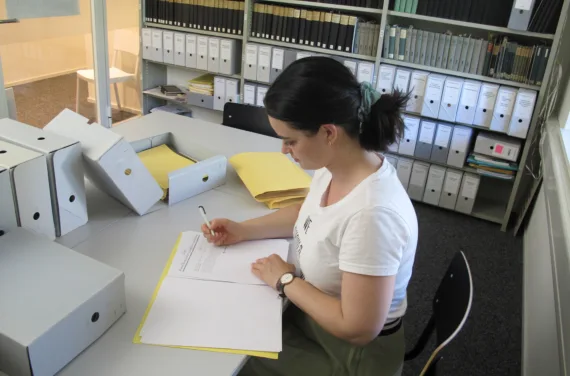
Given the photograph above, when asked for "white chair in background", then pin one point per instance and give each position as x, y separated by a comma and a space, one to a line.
124, 41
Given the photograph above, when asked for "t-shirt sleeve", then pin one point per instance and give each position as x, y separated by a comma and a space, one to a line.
373, 242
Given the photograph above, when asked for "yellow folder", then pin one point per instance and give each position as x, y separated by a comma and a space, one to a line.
137, 337
272, 178
160, 161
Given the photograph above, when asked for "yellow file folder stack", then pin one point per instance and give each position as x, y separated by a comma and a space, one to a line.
272, 178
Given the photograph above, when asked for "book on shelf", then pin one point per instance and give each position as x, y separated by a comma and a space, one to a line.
543, 17
222, 16
315, 28
494, 167
499, 57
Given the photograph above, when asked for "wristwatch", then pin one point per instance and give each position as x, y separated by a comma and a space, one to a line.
285, 279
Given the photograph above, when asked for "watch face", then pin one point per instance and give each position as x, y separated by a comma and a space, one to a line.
286, 278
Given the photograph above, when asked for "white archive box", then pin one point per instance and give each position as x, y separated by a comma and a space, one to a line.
467, 193
440, 148
156, 36
503, 109
408, 142
418, 179
386, 78
260, 95
498, 146
8, 217
425, 139
468, 102
146, 43
168, 47
404, 171
191, 51
65, 171
250, 66
191, 180
232, 91
432, 97
402, 80
213, 55
230, 54
434, 184
459, 146
30, 188
202, 52
70, 301
522, 113
219, 93
450, 189
417, 91
486, 105
249, 94
263, 63
180, 49
110, 162
450, 99
365, 72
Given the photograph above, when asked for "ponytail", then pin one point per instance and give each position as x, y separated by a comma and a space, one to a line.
384, 124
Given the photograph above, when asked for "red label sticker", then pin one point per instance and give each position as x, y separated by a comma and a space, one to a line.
499, 149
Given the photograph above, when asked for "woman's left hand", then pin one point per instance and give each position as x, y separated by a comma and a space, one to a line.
270, 269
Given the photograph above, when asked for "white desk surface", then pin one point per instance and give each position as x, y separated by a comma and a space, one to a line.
140, 246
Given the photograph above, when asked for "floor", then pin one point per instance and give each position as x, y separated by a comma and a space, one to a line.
39, 102
490, 342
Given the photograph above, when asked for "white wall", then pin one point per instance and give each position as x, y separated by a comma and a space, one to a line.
540, 337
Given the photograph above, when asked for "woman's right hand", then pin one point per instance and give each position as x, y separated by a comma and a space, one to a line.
226, 232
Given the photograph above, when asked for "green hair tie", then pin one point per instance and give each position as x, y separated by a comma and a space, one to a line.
369, 97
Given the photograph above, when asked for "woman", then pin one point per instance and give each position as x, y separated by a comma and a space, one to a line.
355, 234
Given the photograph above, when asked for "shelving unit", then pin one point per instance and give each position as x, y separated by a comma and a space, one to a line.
489, 206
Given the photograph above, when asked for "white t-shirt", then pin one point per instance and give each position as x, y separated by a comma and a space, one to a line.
372, 231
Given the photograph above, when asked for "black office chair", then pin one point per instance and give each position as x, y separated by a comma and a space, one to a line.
248, 118
451, 307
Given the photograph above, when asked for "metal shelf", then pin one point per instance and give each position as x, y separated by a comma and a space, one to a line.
312, 4
156, 93
471, 25
488, 210
449, 72
236, 76
312, 49
193, 31
464, 168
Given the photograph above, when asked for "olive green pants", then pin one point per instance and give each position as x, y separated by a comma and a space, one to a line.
310, 350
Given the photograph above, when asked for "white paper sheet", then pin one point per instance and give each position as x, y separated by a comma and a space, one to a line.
190, 312
198, 259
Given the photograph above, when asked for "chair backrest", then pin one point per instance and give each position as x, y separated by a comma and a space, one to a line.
248, 118
451, 307
451, 304
126, 40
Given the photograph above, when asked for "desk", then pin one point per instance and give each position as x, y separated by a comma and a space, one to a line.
140, 246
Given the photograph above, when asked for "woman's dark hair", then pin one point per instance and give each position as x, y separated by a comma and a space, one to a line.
319, 90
